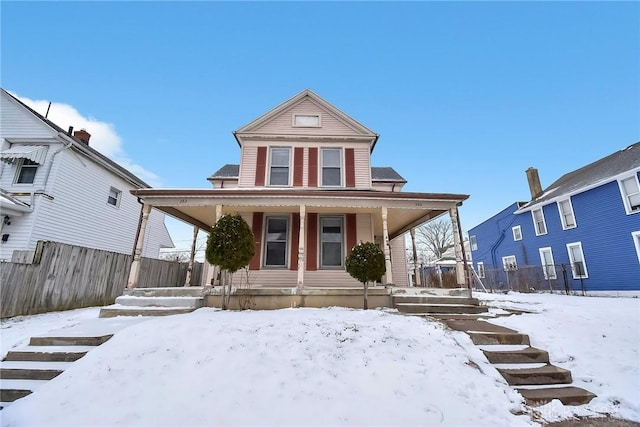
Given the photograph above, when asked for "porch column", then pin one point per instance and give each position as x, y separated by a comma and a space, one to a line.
457, 245
385, 242
301, 251
212, 271
134, 272
187, 281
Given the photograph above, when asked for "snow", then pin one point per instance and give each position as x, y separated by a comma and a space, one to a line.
322, 367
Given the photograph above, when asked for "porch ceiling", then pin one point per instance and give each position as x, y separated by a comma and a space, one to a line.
405, 210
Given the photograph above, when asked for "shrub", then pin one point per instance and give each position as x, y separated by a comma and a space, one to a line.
366, 264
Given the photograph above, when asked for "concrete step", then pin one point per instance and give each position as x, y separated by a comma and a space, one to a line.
71, 341
28, 374
484, 338
548, 374
11, 395
158, 301
527, 355
112, 311
425, 299
190, 291
48, 353
567, 395
14, 389
457, 316
477, 326
439, 308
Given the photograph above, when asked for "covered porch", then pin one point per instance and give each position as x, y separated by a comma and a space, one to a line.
321, 228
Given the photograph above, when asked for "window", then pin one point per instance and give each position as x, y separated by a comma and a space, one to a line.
331, 241
27, 172
279, 166
548, 266
276, 238
566, 214
473, 242
114, 197
538, 222
635, 235
306, 120
332, 167
509, 263
630, 194
517, 233
576, 257
481, 270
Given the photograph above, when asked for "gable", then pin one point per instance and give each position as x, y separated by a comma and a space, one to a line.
317, 118
18, 122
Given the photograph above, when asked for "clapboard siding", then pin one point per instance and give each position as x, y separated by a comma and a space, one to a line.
399, 261
364, 229
248, 163
362, 167
283, 123
16, 122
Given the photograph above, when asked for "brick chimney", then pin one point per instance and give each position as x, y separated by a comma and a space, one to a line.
82, 135
534, 183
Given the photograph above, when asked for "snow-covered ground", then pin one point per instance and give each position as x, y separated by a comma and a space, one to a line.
327, 367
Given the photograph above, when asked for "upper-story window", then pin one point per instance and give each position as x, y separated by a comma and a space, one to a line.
27, 172
331, 167
114, 197
473, 242
566, 214
306, 120
538, 222
279, 165
630, 189
517, 233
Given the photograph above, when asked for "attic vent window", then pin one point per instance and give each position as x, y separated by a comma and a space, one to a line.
306, 120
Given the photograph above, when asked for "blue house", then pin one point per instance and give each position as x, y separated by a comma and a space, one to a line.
582, 233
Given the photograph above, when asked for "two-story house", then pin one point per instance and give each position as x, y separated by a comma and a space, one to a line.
55, 187
583, 231
306, 187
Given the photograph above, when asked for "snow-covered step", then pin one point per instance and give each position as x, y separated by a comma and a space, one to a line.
503, 347
70, 340
517, 366
490, 338
22, 364
11, 390
122, 310
524, 356
49, 353
547, 374
567, 395
32, 370
439, 308
160, 301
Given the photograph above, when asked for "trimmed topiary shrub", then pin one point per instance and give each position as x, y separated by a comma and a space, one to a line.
366, 264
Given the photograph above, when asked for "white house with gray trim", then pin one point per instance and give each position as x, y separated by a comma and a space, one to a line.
55, 187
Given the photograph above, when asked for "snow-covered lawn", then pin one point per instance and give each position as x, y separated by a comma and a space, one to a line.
328, 367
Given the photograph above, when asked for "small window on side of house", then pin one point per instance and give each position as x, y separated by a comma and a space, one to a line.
538, 222
548, 266
509, 263
481, 269
306, 120
27, 172
578, 263
566, 214
517, 233
114, 197
473, 241
630, 189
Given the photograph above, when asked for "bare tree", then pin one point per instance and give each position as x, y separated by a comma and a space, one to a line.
177, 256
435, 236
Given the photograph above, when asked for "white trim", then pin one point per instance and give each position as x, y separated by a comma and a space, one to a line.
513, 231
289, 168
342, 167
509, 263
295, 116
287, 247
625, 196
572, 260
480, 267
635, 235
21, 166
562, 214
535, 225
118, 197
343, 244
545, 266
473, 242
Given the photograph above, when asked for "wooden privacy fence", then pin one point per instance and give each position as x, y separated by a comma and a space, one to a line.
64, 277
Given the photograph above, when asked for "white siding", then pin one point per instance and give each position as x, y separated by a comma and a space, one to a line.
17, 122
157, 235
283, 123
364, 228
362, 167
399, 261
248, 163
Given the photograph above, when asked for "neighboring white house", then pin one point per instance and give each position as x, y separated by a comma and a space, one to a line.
55, 187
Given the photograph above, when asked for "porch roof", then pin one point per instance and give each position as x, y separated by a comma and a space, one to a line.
198, 206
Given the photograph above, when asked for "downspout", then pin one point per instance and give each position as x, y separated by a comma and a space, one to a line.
494, 247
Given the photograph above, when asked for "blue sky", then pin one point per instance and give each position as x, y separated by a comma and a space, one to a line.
465, 95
